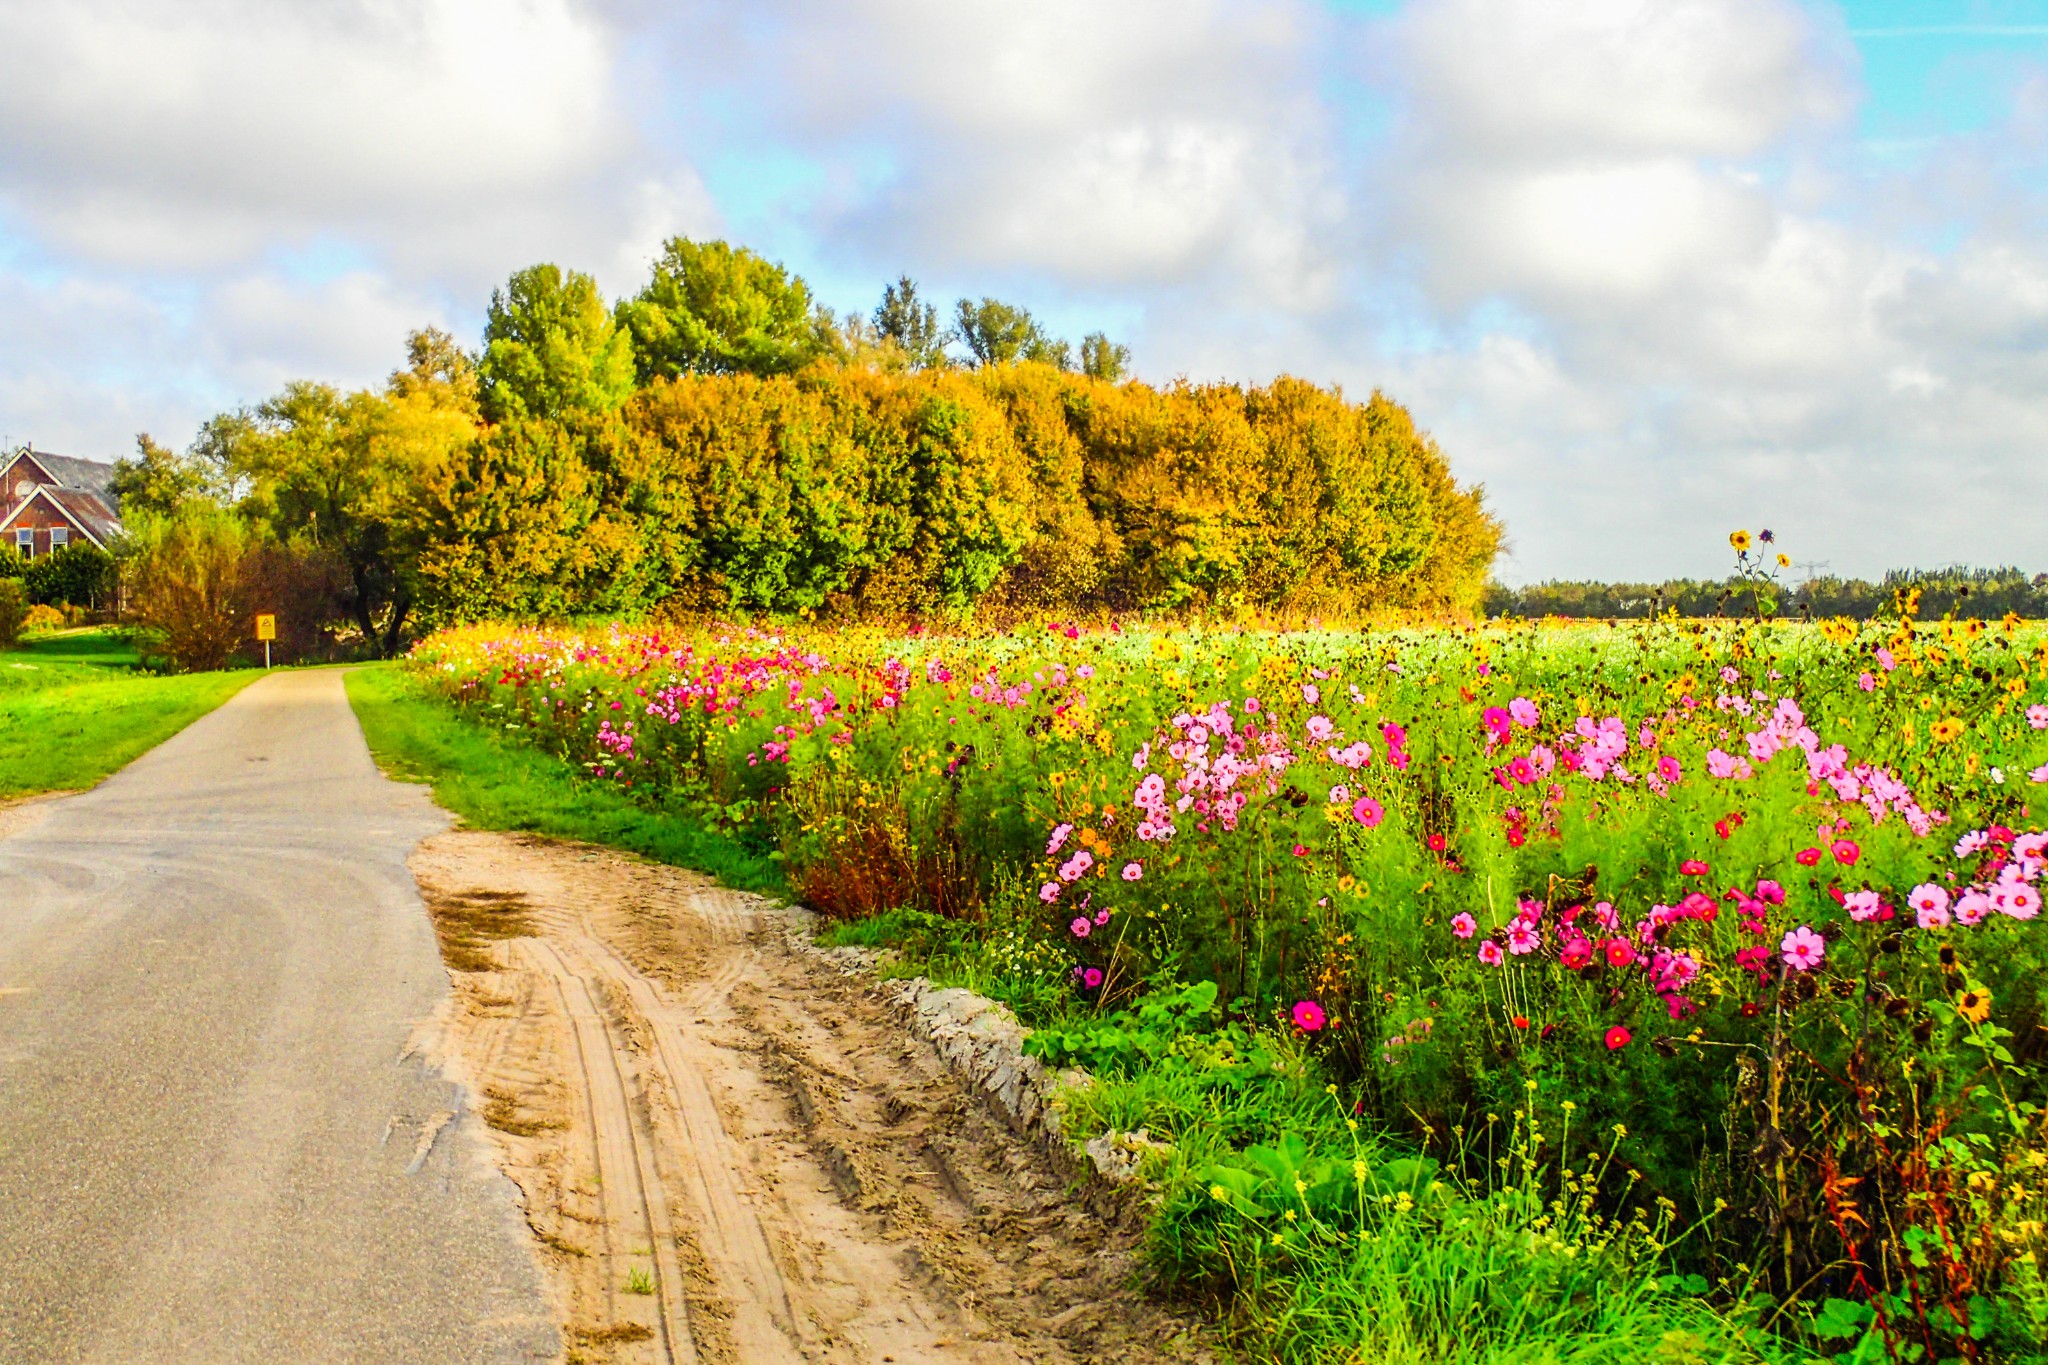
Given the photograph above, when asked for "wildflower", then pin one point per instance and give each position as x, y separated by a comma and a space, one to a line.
1309, 1016
1863, 905
1522, 939
1767, 535
1974, 1004
1102, 916
1619, 952
2037, 716
1784, 561
1436, 843
1693, 867
1971, 907
1059, 837
1523, 712
1668, 768
1617, 1039
1803, 949
1081, 926
1463, 925
1520, 1021
1930, 906
1846, 852
1490, 953
1945, 729
1049, 893
2018, 901
1867, 681
1367, 811
1807, 857
1770, 892
1091, 977
1133, 871
1740, 540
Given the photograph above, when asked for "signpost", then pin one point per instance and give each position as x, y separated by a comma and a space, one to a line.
266, 631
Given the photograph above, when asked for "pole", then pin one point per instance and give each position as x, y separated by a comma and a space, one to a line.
266, 656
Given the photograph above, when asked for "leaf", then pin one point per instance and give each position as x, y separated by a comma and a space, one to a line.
1840, 1318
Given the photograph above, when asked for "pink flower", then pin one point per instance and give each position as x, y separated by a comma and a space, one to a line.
1049, 893
1770, 892
1133, 871
1867, 681
1619, 952
1863, 905
1807, 857
1803, 949
1091, 977
1668, 769
1523, 712
2017, 900
1523, 771
1463, 925
1846, 852
1102, 916
1930, 905
1971, 907
1059, 837
1522, 939
1310, 693
2037, 716
1073, 867
1309, 1016
1496, 721
1693, 867
1367, 811
1320, 728
1490, 953
1618, 1038
1080, 927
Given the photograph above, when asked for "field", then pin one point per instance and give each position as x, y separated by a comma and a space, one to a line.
1669, 992
75, 708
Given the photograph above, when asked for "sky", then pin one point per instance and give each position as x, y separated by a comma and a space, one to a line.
1648, 270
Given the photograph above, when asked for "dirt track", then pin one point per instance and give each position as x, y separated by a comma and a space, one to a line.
731, 1153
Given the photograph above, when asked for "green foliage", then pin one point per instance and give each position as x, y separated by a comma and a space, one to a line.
1116, 1043
997, 333
713, 308
912, 324
1104, 359
157, 479
14, 605
193, 585
79, 575
552, 348
1967, 594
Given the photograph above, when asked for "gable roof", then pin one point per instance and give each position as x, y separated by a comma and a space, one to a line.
68, 471
81, 507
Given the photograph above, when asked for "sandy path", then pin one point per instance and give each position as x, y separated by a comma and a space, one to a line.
731, 1153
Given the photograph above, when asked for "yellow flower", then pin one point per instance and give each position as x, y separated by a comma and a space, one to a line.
1945, 729
1784, 561
1740, 540
1974, 1005
1218, 1193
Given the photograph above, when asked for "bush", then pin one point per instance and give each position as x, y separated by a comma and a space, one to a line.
193, 584
13, 611
42, 617
81, 575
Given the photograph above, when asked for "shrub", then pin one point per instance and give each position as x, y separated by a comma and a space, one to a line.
13, 611
194, 584
80, 575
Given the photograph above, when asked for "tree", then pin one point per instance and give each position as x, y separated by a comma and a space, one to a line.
1103, 359
550, 348
432, 357
713, 308
997, 333
904, 318
190, 572
157, 478
79, 575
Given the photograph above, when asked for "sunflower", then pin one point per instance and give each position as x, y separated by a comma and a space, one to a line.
1974, 1004
1784, 561
1740, 540
1945, 729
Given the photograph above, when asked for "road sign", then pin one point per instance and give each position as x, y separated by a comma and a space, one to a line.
266, 627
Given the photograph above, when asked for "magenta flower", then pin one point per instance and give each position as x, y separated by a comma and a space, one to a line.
1846, 852
1523, 712
1618, 1038
1367, 811
1490, 953
1080, 927
1309, 1016
1693, 867
1133, 871
1522, 938
1091, 977
1463, 925
1668, 769
1803, 949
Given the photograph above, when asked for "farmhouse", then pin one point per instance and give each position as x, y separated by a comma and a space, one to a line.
50, 501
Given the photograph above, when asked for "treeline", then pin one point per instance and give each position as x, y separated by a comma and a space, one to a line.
720, 443
1982, 594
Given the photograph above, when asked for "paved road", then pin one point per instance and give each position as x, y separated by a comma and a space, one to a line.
214, 1145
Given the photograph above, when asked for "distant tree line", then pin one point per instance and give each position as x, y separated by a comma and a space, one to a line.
1986, 594
719, 442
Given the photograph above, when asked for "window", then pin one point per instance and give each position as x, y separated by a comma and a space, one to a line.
25, 541
60, 536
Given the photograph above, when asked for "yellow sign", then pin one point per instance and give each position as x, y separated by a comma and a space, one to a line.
266, 628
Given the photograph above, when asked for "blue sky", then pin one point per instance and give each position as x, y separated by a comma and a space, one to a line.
1647, 269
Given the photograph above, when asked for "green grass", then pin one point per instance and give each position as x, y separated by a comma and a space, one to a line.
494, 782
74, 708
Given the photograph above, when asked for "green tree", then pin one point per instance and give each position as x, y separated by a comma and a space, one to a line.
1104, 359
913, 324
157, 478
713, 308
550, 348
998, 333
80, 575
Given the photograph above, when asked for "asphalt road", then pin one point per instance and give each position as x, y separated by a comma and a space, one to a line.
215, 1144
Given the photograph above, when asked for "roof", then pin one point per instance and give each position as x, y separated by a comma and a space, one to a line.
72, 472
82, 507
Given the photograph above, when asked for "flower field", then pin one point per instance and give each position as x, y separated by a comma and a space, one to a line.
1677, 979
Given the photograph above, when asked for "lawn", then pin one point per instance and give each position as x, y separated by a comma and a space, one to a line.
500, 785
77, 707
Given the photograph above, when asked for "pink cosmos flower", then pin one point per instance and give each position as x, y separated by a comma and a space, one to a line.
1309, 1016
1059, 837
1310, 693
2018, 900
1133, 871
1073, 867
1080, 927
1522, 939
1091, 977
1619, 952
1846, 852
2037, 716
1930, 905
1102, 916
1803, 949
1770, 892
1618, 1038
1320, 728
1523, 771
1867, 681
1463, 925
1863, 905
1807, 857
1523, 712
1496, 721
1693, 867
1367, 811
1490, 953
1971, 907
1049, 893
1668, 769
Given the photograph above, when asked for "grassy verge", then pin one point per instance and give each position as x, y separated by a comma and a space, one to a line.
74, 709
498, 783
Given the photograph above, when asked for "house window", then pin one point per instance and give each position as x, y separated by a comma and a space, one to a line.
60, 536
25, 541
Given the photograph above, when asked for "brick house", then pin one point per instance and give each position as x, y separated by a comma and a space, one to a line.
50, 501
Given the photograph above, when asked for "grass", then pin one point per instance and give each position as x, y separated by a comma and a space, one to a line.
75, 707
501, 783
